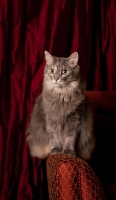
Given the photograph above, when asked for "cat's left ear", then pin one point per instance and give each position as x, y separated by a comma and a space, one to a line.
73, 59
49, 58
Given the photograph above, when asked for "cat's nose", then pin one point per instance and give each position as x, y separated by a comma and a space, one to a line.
56, 78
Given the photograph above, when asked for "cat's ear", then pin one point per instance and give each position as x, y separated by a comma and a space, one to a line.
49, 58
73, 59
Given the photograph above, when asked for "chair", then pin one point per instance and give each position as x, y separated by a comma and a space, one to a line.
74, 179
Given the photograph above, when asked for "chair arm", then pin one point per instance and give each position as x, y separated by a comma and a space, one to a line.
71, 178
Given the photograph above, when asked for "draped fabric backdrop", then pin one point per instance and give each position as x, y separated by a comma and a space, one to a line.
27, 28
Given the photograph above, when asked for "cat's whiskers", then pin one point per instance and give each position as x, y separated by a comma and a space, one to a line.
63, 90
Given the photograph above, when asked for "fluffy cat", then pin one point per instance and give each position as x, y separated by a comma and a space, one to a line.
61, 120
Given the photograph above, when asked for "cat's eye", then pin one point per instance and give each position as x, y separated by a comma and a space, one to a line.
63, 72
52, 71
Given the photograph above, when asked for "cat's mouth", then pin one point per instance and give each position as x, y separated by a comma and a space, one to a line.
57, 83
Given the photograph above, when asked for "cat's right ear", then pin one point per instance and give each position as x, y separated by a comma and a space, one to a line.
73, 59
49, 58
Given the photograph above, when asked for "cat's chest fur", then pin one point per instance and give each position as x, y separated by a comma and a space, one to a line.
60, 103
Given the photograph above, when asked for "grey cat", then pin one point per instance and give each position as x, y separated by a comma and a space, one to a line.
61, 120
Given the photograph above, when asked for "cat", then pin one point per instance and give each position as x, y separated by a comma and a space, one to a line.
61, 120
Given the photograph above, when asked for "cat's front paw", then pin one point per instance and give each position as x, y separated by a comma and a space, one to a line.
70, 152
56, 150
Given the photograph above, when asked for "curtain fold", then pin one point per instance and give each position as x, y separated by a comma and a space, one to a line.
27, 28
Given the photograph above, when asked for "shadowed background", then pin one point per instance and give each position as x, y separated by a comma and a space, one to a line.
27, 28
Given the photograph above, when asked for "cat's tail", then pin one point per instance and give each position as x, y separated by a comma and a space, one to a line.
38, 148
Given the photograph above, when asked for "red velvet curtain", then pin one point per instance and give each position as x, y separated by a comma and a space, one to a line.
27, 28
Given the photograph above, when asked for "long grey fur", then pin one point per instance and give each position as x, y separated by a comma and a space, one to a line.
61, 120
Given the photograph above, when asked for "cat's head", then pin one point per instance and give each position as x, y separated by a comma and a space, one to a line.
61, 72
